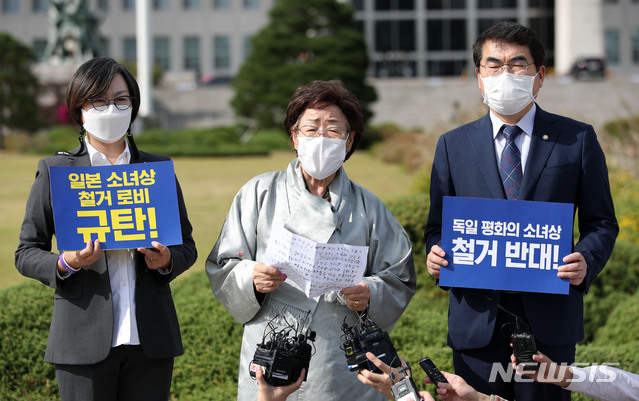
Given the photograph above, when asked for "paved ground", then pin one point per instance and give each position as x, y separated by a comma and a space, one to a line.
425, 103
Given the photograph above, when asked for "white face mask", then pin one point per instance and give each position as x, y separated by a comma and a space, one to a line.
507, 93
321, 156
107, 126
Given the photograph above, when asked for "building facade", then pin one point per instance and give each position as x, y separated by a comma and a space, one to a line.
210, 38
405, 38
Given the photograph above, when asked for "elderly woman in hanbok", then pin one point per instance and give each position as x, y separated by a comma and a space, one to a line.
313, 198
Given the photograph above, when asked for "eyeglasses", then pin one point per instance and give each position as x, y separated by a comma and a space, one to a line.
120, 102
313, 131
518, 67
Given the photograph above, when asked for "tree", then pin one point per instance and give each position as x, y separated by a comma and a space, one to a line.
18, 86
304, 41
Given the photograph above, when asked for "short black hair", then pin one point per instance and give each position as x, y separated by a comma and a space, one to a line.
511, 32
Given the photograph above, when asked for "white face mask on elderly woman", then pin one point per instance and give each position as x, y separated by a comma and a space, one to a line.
320, 156
107, 126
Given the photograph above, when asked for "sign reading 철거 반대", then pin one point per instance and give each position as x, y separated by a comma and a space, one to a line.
505, 244
123, 206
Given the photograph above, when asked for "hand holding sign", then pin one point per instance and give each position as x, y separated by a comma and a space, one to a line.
158, 257
575, 268
81, 258
436, 260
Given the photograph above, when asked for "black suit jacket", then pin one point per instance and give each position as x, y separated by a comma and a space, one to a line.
565, 164
82, 322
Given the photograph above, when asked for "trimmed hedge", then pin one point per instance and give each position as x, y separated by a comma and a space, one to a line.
24, 326
219, 141
212, 339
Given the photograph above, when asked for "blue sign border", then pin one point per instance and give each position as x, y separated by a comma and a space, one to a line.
484, 275
154, 216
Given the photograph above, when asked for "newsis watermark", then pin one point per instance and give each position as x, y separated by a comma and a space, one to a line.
553, 373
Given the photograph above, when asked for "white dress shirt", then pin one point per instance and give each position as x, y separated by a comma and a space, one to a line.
121, 267
526, 124
605, 383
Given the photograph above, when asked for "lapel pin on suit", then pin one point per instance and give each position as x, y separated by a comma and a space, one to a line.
544, 137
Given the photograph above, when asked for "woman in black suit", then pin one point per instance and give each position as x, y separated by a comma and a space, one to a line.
114, 331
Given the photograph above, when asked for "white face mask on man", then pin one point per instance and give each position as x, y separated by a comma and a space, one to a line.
107, 126
507, 93
320, 156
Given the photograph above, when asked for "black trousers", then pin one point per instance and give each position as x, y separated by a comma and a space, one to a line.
125, 375
489, 369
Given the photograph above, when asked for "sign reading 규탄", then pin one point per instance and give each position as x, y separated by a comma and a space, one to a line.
505, 244
123, 206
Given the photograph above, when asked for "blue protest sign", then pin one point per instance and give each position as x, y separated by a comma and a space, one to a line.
123, 206
505, 244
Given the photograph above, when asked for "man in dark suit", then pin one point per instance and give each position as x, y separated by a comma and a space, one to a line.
114, 330
519, 151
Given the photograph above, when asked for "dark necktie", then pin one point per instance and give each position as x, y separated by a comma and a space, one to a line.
510, 163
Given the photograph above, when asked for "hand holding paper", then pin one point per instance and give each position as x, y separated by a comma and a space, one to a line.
315, 268
266, 278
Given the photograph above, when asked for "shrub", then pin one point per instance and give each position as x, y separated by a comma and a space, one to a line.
47, 142
219, 141
412, 213
208, 369
212, 339
621, 273
24, 325
622, 325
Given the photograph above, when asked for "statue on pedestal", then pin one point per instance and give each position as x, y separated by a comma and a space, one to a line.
73, 32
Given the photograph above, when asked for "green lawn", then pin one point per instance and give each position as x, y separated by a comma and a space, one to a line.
209, 185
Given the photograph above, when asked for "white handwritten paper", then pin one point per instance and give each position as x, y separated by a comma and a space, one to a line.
315, 268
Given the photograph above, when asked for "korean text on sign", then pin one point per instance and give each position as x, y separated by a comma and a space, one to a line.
505, 244
123, 206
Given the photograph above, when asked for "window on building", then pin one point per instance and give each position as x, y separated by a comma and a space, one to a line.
395, 35
611, 42
40, 6
39, 45
358, 4
394, 5
253, 4
445, 34
547, 4
103, 5
545, 28
446, 67
104, 47
10, 6
161, 5
221, 4
128, 5
485, 23
497, 3
161, 53
192, 53
395, 68
129, 49
445, 4
191, 4
635, 46
221, 52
